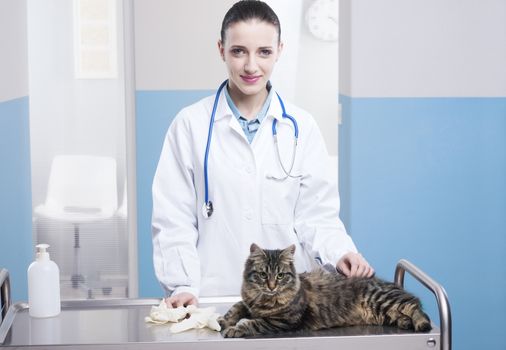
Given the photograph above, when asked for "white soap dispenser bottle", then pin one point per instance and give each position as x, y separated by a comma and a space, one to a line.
43, 285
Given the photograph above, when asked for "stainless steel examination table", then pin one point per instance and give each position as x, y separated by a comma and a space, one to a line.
119, 324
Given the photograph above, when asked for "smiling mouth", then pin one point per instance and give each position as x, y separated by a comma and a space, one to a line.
250, 79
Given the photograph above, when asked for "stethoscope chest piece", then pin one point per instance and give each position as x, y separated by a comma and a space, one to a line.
207, 209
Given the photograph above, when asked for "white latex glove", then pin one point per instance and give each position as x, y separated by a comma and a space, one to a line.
199, 318
162, 314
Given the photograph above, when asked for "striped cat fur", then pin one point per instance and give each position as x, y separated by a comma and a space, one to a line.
275, 299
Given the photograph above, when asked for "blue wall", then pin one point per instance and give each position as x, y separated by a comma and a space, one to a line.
15, 194
425, 179
155, 110
420, 178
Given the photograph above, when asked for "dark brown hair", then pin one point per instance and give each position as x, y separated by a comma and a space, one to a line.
246, 10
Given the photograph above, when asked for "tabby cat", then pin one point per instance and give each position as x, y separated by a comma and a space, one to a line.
275, 298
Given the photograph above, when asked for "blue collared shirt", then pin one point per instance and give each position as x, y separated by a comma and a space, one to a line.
250, 127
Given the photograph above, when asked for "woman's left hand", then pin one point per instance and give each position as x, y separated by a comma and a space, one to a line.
354, 265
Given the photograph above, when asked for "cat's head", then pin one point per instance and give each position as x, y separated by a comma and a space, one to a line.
269, 273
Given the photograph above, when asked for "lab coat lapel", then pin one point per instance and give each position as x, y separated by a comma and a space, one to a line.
265, 144
276, 112
235, 126
265, 130
223, 110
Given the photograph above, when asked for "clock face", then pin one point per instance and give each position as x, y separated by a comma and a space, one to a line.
321, 19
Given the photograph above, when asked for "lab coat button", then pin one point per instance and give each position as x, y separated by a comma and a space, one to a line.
249, 169
248, 214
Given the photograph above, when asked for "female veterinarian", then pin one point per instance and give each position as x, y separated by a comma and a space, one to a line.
244, 166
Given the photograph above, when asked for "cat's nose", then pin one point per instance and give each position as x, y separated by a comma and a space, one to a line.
271, 285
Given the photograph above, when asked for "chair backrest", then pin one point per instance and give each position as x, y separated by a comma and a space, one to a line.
83, 182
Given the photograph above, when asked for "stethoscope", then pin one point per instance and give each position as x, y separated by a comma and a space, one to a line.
207, 208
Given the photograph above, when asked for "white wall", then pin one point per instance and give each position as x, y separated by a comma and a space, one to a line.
174, 46
68, 115
317, 85
13, 57
461, 43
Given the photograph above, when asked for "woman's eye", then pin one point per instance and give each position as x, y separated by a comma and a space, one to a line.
280, 276
265, 52
237, 52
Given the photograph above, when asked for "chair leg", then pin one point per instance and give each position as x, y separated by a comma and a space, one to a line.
76, 278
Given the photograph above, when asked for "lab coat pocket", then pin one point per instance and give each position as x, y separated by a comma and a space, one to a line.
174, 267
279, 197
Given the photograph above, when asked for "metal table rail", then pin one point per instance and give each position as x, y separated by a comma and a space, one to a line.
119, 324
5, 293
445, 318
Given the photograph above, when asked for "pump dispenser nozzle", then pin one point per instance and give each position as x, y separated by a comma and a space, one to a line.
42, 253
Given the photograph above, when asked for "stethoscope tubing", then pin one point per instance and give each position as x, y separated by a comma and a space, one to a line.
285, 115
209, 136
207, 209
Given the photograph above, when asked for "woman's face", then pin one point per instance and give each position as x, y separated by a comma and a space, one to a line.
250, 51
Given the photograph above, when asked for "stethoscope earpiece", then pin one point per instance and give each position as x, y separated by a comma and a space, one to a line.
207, 208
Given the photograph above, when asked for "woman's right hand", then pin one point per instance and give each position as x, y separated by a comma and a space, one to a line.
181, 299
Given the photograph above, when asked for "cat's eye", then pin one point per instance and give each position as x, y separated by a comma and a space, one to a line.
263, 275
280, 276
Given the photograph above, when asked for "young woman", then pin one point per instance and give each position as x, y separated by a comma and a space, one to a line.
224, 182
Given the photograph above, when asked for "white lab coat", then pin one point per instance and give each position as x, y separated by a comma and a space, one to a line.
251, 204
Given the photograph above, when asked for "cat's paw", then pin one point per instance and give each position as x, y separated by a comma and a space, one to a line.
224, 324
233, 332
423, 327
404, 322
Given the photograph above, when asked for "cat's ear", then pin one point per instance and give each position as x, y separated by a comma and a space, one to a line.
290, 250
253, 248
286, 254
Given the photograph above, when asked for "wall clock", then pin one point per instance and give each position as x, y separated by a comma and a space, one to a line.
322, 21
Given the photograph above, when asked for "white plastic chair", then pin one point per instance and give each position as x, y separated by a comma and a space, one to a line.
82, 189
